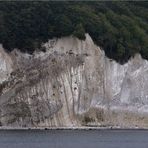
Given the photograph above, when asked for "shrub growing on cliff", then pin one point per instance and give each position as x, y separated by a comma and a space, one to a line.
79, 32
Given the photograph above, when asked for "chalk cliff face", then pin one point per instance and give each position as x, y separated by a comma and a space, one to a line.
72, 84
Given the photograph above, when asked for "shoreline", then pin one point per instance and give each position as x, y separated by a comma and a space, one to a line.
70, 128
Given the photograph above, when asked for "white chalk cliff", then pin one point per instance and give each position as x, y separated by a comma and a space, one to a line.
72, 84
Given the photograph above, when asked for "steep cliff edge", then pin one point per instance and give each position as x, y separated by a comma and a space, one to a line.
72, 84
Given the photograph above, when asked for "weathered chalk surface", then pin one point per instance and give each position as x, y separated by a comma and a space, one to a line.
72, 84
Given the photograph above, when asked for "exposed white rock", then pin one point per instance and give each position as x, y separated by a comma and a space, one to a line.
72, 84
5, 65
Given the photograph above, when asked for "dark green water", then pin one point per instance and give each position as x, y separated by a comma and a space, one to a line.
74, 139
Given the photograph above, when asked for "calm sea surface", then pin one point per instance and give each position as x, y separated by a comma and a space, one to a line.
74, 139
